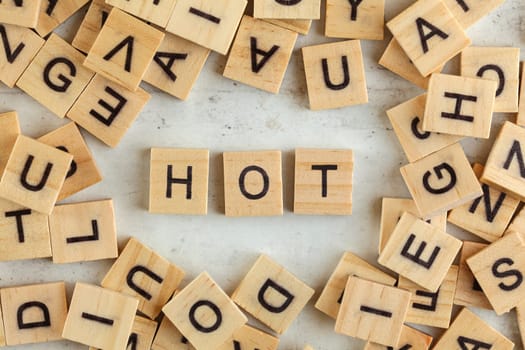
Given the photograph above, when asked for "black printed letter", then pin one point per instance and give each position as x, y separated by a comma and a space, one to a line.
509, 273
433, 300
421, 23
19, 225
128, 42
515, 150
92, 237
25, 171
354, 4
10, 55
51, 7
72, 167
324, 175
490, 213
417, 257
147, 272
439, 173
457, 110
46, 322
166, 67
187, 181
418, 134
266, 182
65, 81
463, 341
288, 297
216, 311
113, 110
499, 72
326, 75
257, 66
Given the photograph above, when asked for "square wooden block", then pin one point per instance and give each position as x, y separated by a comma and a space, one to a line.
355, 19
471, 332
83, 232
301, 26
420, 252
123, 49
369, 308
441, 181
429, 34
91, 25
469, 12
107, 110
83, 171
54, 13
350, 264
410, 339
152, 11
141, 336
487, 216
10, 130
204, 314
34, 174
20, 13
99, 317
468, 290
19, 46
168, 337
179, 181
250, 338
34, 313
407, 120
303, 9
271, 294
176, 66
217, 21
323, 181
520, 119
260, 54
145, 275
335, 75
253, 183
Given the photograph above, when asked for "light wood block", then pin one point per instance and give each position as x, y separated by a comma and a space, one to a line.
204, 314
468, 291
272, 294
488, 216
83, 232
34, 174
168, 337
145, 275
468, 331
369, 308
253, 183
54, 13
355, 20
91, 25
152, 11
141, 336
335, 75
301, 26
432, 309
468, 12
302, 9
410, 339
520, 119
99, 317
250, 338
83, 171
107, 110
428, 264
123, 49
56, 76
19, 46
350, 264
10, 130
260, 54
441, 181
323, 181
179, 181
518, 222
429, 34
499, 271
20, 13
34, 313
176, 66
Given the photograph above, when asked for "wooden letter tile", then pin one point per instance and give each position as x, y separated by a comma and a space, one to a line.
429, 34
107, 110
99, 317
204, 314
441, 181
34, 174
91, 25
303, 9
468, 12
420, 252
10, 130
168, 337
369, 308
124, 49
410, 339
520, 119
260, 54
323, 181
83, 232
34, 313
141, 336
250, 338
153, 11
330, 299
335, 75
20, 13
355, 19
54, 13
301, 26
518, 222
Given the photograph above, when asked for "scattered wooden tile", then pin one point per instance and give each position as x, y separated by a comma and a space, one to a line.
518, 222
307, 9
468, 12
250, 338
271, 294
141, 335
34, 313
301, 26
83, 232
20, 13
156, 12
168, 337
10, 130
520, 317
410, 339
355, 19
344, 84
54, 13
91, 25
520, 119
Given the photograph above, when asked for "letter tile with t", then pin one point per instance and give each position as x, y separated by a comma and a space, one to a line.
168, 337
250, 338
410, 339
19, 12
271, 294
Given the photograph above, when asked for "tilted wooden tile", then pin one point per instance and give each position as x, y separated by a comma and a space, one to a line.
253, 183
487, 216
176, 66
145, 275
429, 34
20, 13
350, 264
260, 54
441, 181
323, 181
428, 264
107, 110
204, 314
468, 12
168, 337
335, 75
301, 26
179, 181
250, 338
369, 308
83, 232
355, 19
410, 339
99, 317
54, 13
10, 130
123, 49
153, 11
518, 222
468, 331
520, 119
91, 25
272, 294
141, 336
304, 9
34, 313
34, 174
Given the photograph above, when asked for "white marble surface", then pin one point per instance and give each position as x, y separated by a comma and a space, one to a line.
222, 115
